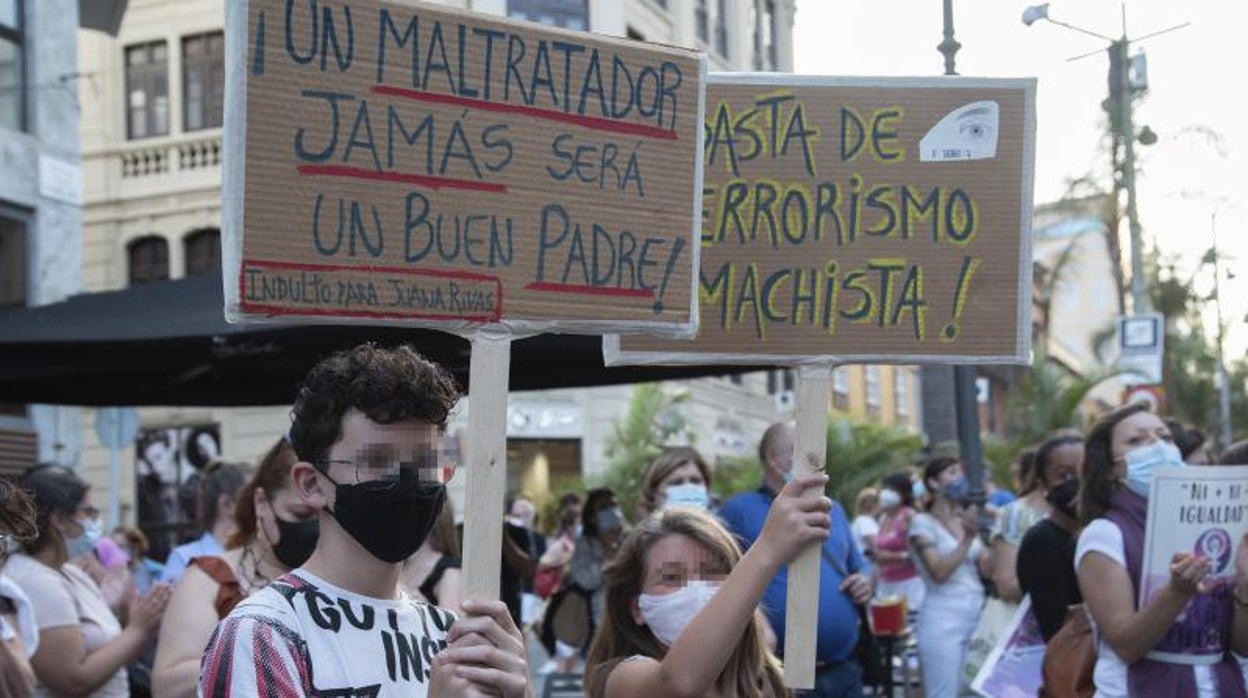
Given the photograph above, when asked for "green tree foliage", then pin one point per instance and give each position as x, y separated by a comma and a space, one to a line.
1239, 398
1049, 397
652, 422
859, 454
1191, 361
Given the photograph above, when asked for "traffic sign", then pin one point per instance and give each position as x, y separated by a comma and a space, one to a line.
1141, 347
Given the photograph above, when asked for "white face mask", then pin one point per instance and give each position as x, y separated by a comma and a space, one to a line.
668, 614
889, 499
688, 494
84, 542
918, 489
1142, 461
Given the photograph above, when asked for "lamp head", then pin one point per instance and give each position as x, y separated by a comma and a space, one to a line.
1146, 136
1035, 13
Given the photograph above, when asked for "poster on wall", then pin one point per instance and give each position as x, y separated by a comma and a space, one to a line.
168, 461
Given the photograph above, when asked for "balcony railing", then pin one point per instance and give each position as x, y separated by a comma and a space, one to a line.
164, 156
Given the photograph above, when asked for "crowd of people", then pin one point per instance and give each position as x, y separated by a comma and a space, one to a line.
332, 568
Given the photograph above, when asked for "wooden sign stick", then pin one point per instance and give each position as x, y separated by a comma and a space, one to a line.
487, 465
801, 619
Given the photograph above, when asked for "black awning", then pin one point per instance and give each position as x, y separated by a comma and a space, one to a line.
167, 343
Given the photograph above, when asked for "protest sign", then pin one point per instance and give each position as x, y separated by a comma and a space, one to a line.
416, 164
1202, 511
1013, 668
861, 219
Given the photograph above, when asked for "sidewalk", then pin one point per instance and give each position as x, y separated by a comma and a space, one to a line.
538, 677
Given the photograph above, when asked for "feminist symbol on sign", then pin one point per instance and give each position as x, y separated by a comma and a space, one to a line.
1215, 545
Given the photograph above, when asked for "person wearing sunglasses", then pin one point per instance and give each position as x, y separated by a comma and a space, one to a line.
83, 649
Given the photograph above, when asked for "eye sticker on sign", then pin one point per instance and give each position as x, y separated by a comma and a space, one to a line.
966, 133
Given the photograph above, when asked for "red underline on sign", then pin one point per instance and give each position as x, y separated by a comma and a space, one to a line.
406, 178
281, 310
444, 273
596, 123
591, 290
270, 309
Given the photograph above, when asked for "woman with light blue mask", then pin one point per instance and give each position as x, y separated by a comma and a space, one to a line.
1189, 615
678, 477
83, 649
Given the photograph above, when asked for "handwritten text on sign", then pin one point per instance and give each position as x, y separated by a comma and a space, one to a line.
1199, 511
412, 162
861, 220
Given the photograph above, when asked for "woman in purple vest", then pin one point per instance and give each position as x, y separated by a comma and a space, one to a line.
1122, 450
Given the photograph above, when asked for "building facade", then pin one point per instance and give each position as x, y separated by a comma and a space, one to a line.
151, 135
41, 194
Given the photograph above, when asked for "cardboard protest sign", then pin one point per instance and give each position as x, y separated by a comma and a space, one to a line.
1202, 511
422, 165
861, 219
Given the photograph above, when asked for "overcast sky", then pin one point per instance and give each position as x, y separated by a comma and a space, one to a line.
1182, 179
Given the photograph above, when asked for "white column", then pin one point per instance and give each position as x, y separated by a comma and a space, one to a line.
177, 251
177, 115
783, 35
493, 7
740, 35
681, 12
608, 17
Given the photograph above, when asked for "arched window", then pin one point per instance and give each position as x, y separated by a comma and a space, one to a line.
203, 250
149, 260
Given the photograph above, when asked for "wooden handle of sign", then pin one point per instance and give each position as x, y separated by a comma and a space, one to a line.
801, 613
487, 466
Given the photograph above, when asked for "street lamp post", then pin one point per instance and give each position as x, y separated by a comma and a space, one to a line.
1120, 97
949, 46
965, 394
1139, 297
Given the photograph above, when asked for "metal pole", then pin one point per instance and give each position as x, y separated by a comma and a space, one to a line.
968, 432
964, 376
114, 473
949, 47
1224, 380
114, 487
1139, 296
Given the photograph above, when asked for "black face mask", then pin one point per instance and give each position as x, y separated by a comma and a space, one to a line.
1062, 496
390, 524
295, 540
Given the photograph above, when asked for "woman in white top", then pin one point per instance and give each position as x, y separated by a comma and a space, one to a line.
951, 560
83, 650
865, 526
1186, 616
